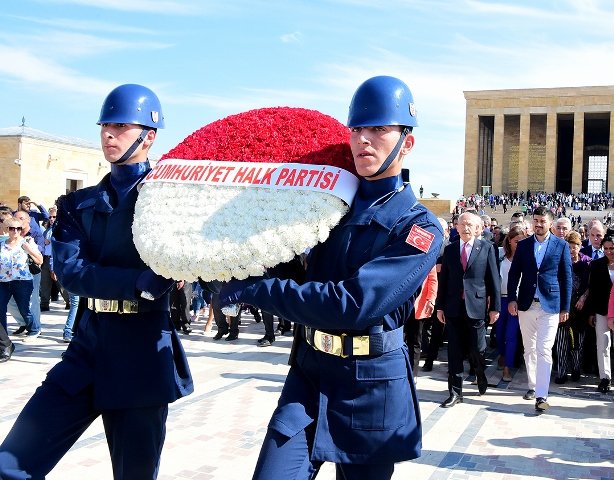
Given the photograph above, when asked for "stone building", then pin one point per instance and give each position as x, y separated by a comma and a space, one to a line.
44, 166
539, 139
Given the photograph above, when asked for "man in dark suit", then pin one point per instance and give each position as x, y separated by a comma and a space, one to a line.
593, 248
469, 285
542, 266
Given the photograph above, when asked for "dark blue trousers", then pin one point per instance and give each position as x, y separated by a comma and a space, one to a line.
52, 421
288, 458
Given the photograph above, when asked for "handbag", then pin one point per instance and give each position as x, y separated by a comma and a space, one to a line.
34, 267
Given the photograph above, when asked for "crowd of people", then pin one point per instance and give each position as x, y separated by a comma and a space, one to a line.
557, 202
543, 285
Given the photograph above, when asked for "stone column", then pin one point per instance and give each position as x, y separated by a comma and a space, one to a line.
499, 184
523, 151
550, 181
577, 170
470, 184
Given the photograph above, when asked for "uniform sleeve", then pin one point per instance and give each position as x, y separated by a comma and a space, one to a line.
377, 288
76, 268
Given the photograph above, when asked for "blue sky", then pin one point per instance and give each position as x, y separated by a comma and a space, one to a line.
209, 59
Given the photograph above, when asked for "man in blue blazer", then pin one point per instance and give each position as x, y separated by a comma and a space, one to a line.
542, 267
469, 285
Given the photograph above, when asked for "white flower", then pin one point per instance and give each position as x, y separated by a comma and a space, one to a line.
186, 231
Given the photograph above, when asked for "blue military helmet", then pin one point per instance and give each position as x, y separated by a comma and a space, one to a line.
382, 100
132, 104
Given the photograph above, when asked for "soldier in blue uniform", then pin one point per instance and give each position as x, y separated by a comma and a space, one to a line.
349, 397
125, 362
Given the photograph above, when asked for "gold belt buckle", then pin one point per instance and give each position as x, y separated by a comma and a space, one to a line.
107, 306
327, 343
360, 345
130, 306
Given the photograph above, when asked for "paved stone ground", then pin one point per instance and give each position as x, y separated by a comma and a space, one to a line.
216, 432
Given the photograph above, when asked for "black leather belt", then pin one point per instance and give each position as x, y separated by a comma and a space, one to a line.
126, 306
351, 346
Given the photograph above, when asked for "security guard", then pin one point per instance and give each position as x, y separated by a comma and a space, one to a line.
125, 362
349, 396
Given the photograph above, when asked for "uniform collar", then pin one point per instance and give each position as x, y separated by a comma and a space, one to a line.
401, 198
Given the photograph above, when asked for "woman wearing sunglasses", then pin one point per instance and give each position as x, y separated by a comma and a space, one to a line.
15, 276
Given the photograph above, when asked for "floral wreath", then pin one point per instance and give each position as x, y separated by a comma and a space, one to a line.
192, 220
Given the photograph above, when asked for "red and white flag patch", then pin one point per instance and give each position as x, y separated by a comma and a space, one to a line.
420, 238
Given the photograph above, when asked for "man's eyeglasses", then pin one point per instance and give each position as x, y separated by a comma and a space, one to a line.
14, 229
52, 216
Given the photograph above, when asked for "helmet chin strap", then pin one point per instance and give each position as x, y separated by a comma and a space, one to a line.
392, 155
133, 147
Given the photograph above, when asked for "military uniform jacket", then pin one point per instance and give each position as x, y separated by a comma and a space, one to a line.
129, 360
363, 279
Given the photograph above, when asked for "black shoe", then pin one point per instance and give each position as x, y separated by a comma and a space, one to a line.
6, 354
20, 331
482, 384
452, 400
541, 405
428, 366
604, 385
530, 395
575, 376
45, 308
187, 330
232, 336
219, 335
560, 380
257, 317
265, 343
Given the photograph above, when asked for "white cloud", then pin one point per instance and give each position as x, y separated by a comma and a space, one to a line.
22, 66
167, 7
63, 45
86, 25
294, 37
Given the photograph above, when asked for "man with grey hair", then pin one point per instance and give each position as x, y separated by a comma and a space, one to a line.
469, 285
596, 233
562, 227
446, 230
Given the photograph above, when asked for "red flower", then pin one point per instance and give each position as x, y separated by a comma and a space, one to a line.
272, 135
